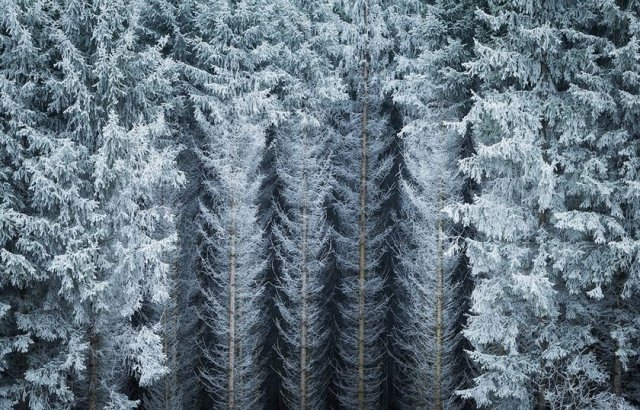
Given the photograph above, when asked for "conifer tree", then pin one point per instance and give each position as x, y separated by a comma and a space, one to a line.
234, 106
547, 132
363, 162
102, 259
171, 23
432, 89
301, 234
47, 217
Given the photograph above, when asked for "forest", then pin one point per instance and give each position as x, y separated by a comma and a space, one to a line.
319, 204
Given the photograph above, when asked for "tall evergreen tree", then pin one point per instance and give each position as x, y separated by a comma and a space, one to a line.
301, 234
47, 215
434, 41
547, 130
171, 23
362, 213
102, 259
234, 106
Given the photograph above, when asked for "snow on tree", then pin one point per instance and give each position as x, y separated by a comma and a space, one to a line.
302, 248
361, 214
169, 23
234, 107
94, 115
301, 236
546, 133
130, 166
47, 218
432, 89
320, 138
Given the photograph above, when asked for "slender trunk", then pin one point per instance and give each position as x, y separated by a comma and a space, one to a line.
439, 303
21, 367
165, 349
363, 220
303, 326
305, 274
617, 375
541, 403
94, 342
232, 307
170, 336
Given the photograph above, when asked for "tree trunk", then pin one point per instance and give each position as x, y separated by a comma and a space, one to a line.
305, 274
363, 220
169, 342
617, 375
232, 307
541, 403
439, 304
94, 342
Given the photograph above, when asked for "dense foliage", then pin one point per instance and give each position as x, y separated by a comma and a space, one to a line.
355, 204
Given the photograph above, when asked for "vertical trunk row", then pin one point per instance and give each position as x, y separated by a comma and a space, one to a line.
363, 220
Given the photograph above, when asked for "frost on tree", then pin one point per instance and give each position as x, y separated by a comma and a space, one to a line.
233, 109
302, 248
301, 232
432, 90
549, 127
89, 178
171, 23
362, 163
46, 217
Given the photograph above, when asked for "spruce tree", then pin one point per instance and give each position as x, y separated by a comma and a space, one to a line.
433, 43
232, 80
301, 232
547, 132
362, 207
93, 181
48, 220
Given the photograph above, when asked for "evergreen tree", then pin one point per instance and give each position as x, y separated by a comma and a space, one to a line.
301, 232
302, 235
362, 207
47, 217
434, 41
547, 132
171, 24
98, 116
302, 247
234, 106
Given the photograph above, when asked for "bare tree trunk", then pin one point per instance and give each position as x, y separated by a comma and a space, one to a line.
305, 274
165, 348
303, 329
617, 375
232, 307
541, 403
616, 379
94, 342
363, 220
170, 335
439, 303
